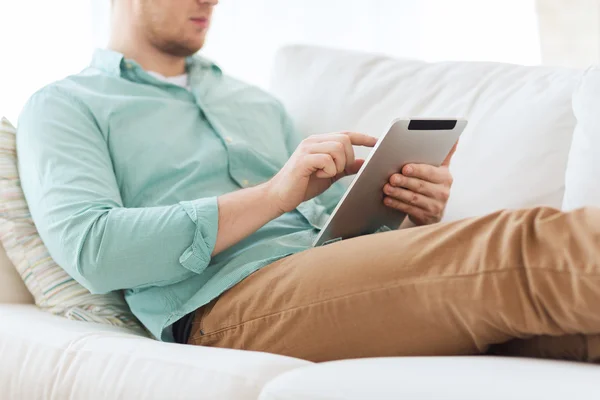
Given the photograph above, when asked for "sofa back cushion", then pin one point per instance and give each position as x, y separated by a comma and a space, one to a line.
583, 169
52, 288
514, 151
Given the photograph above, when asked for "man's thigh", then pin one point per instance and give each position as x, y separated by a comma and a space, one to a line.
345, 300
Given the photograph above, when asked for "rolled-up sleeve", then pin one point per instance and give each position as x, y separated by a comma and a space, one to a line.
70, 186
205, 214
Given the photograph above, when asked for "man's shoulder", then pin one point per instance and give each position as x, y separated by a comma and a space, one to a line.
72, 90
70, 85
58, 88
62, 99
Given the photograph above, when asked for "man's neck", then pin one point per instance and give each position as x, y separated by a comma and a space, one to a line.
150, 58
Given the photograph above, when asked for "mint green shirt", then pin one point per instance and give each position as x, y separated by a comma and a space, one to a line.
122, 171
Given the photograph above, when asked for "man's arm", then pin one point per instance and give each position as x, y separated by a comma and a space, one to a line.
71, 189
242, 213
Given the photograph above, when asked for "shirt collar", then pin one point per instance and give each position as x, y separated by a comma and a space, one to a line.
113, 62
202, 62
108, 61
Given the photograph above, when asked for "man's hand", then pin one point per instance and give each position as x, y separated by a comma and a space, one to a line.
422, 191
317, 163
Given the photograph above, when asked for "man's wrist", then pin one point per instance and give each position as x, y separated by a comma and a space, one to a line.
270, 200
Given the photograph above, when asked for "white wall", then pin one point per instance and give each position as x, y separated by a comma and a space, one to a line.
246, 34
42, 40
570, 32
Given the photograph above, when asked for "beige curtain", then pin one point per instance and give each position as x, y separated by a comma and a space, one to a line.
569, 32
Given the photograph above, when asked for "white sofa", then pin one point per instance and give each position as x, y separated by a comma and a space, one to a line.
513, 154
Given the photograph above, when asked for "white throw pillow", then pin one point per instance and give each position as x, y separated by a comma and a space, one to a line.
582, 181
512, 155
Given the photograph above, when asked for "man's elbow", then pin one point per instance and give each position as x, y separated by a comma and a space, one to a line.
93, 277
94, 266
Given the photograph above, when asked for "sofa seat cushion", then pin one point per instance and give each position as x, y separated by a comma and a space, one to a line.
450, 378
49, 357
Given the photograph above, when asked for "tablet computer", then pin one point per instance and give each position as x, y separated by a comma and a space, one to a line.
361, 210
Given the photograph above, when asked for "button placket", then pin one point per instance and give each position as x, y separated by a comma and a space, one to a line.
228, 140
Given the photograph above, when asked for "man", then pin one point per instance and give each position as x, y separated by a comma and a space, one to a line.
153, 173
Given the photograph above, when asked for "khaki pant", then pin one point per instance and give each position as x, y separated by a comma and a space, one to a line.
450, 289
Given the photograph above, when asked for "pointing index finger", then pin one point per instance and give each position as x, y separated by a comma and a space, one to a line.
360, 139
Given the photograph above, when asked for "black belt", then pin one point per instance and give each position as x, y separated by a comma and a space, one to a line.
182, 329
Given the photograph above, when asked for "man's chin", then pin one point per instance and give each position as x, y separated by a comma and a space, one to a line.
182, 49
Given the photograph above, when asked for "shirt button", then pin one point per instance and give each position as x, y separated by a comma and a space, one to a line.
128, 65
245, 182
228, 139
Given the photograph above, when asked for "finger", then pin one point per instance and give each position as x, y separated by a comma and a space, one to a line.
412, 211
446, 162
431, 205
356, 139
351, 170
345, 140
354, 168
360, 139
336, 137
321, 164
335, 149
415, 185
428, 173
